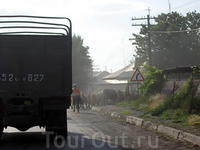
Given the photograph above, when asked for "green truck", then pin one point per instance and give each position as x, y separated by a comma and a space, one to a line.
35, 72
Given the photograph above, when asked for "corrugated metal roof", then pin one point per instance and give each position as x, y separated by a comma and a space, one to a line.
122, 74
180, 69
98, 78
101, 74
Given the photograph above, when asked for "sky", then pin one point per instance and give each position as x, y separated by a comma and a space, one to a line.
104, 25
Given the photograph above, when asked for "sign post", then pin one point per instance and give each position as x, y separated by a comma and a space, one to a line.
137, 76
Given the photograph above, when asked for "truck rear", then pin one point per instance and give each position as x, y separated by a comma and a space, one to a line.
35, 72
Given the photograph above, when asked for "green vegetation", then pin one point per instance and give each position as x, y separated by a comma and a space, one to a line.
183, 100
177, 116
125, 112
194, 120
181, 107
81, 63
154, 81
124, 103
167, 44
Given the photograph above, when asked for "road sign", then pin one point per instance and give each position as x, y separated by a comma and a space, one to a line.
137, 76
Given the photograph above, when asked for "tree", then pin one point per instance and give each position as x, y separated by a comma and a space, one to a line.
174, 40
154, 81
81, 63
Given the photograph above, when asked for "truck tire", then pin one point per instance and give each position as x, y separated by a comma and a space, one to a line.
60, 126
62, 131
52, 135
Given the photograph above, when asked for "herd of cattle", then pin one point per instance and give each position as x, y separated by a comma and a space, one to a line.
105, 97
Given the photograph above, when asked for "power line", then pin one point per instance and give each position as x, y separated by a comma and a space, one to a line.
111, 56
115, 52
121, 63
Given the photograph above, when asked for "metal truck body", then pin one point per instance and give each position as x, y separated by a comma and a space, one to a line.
35, 73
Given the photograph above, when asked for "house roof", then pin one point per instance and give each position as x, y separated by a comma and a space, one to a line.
122, 74
101, 74
181, 69
98, 77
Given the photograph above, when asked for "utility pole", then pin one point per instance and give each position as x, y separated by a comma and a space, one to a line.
149, 31
149, 39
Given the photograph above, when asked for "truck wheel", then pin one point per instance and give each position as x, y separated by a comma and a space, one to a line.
52, 136
63, 128
62, 132
57, 125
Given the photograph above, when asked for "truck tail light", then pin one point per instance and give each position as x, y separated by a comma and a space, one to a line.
56, 101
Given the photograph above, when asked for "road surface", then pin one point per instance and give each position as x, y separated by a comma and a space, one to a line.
90, 130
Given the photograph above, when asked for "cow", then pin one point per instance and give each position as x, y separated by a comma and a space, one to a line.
83, 103
99, 98
92, 99
109, 94
120, 96
75, 102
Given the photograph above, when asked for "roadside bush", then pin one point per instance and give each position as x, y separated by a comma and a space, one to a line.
141, 103
177, 106
178, 115
154, 81
184, 100
157, 100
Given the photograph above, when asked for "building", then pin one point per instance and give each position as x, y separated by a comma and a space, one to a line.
117, 80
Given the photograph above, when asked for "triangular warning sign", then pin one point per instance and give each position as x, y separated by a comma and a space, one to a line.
137, 76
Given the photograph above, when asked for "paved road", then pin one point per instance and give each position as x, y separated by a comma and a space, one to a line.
90, 130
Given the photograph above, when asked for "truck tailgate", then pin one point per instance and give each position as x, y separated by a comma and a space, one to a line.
41, 68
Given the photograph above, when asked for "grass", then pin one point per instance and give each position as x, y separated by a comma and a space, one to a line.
125, 112
194, 120
156, 100
178, 116
125, 103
